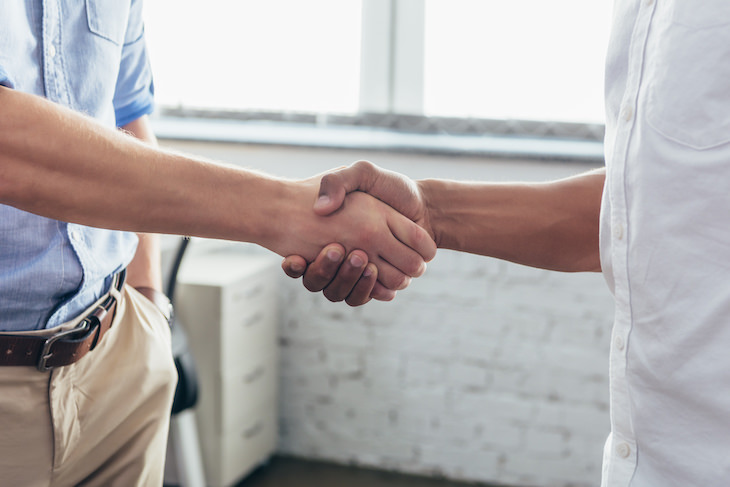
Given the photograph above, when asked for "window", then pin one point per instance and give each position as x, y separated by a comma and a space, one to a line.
495, 59
273, 55
518, 59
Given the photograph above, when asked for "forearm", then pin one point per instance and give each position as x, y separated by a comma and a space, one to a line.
59, 164
145, 269
547, 225
62, 165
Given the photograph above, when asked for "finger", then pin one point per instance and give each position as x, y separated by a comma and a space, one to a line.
415, 237
361, 293
381, 293
324, 268
400, 256
347, 277
390, 276
334, 186
294, 266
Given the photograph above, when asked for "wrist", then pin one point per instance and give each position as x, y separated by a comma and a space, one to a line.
428, 189
159, 299
288, 214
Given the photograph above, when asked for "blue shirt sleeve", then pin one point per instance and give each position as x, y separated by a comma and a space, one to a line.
5, 78
134, 95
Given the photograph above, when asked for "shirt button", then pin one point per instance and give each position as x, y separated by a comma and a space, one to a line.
76, 236
51, 51
618, 342
623, 450
628, 113
618, 231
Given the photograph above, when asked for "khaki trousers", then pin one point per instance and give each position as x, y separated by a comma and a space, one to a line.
102, 421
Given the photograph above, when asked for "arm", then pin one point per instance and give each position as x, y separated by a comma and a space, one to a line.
551, 225
548, 225
145, 270
59, 164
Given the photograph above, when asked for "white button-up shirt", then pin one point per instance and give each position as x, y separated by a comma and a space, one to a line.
665, 243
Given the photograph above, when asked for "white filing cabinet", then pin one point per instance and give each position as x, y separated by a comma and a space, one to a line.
227, 303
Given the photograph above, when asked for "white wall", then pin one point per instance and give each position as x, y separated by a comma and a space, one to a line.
480, 371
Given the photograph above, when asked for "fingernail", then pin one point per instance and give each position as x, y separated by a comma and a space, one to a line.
322, 201
356, 261
296, 267
368, 272
334, 256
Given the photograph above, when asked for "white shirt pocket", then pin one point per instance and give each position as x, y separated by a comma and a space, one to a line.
688, 72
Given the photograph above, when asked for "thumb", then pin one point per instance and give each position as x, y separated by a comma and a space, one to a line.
334, 186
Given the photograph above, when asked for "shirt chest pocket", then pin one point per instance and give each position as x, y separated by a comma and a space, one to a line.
688, 80
108, 19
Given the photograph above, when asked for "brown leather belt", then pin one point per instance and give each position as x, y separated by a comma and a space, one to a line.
65, 347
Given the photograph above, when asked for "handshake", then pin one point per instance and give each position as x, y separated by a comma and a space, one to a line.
385, 227
383, 235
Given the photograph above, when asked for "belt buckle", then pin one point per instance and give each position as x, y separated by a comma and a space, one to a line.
84, 326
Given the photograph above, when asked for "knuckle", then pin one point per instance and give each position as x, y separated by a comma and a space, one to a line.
365, 169
424, 242
416, 268
363, 165
396, 281
404, 283
326, 179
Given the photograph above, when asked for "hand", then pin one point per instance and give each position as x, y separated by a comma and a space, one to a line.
355, 282
396, 246
347, 281
392, 188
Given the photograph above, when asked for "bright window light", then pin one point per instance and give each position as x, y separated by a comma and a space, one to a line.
516, 59
273, 55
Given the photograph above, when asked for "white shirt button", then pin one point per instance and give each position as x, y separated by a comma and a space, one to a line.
623, 450
628, 113
76, 236
51, 51
619, 343
618, 231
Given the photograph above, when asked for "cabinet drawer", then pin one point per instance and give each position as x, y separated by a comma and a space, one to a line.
246, 447
248, 333
250, 290
248, 392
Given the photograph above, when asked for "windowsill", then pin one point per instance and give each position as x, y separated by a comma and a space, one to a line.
380, 139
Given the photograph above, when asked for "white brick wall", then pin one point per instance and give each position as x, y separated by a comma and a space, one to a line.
480, 371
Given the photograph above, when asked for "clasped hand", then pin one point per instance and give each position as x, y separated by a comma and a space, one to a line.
381, 260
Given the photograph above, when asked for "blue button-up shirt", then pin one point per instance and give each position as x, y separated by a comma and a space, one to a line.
89, 56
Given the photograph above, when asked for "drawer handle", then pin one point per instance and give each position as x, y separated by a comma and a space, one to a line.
253, 430
249, 293
253, 319
256, 374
